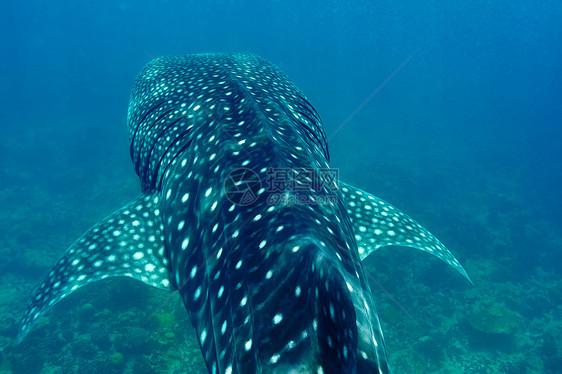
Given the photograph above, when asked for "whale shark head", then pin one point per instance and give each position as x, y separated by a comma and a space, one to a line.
242, 214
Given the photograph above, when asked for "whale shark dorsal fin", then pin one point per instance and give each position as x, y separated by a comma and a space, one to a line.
377, 224
128, 243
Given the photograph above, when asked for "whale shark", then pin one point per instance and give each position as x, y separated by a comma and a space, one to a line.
241, 213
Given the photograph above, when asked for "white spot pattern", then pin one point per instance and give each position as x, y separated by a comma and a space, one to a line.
191, 120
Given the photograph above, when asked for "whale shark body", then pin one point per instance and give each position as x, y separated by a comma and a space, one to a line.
241, 213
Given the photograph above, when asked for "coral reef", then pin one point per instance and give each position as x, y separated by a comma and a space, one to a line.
135, 340
493, 318
82, 347
166, 320
116, 359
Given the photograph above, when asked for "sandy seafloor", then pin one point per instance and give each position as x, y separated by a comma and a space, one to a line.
509, 321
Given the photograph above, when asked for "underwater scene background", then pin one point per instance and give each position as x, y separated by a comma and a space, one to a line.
451, 111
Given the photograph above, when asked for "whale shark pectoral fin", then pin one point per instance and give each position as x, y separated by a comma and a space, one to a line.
129, 242
376, 224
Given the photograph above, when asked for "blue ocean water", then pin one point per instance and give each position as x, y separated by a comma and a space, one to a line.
449, 110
